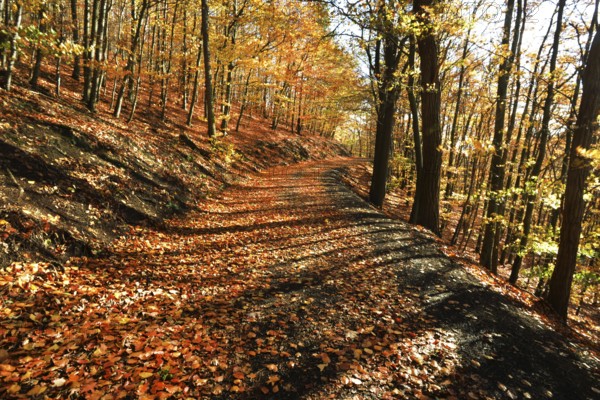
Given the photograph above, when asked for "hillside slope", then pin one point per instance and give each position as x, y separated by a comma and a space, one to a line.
71, 181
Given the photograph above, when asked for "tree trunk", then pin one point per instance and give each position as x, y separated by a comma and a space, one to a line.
579, 170
194, 99
13, 51
428, 192
39, 54
414, 114
544, 134
75, 32
388, 93
489, 250
244, 102
457, 111
130, 60
210, 112
89, 23
95, 79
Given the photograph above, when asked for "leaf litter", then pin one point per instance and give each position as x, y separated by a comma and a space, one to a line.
286, 286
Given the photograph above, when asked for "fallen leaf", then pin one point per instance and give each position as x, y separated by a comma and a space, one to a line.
272, 367
58, 382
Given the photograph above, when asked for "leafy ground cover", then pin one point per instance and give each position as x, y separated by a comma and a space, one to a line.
72, 181
286, 285
584, 317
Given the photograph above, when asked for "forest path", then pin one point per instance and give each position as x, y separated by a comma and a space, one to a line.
288, 286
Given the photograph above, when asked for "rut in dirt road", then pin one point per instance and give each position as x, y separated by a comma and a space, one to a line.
289, 286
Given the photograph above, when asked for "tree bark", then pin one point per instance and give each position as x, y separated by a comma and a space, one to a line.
428, 192
210, 112
13, 48
579, 170
194, 99
489, 250
414, 113
130, 60
75, 32
544, 134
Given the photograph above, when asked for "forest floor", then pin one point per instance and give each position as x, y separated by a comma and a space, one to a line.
286, 285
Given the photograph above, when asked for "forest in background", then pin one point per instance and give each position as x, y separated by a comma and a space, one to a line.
493, 110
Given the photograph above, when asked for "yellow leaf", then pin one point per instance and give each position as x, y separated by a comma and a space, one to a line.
14, 389
271, 367
58, 382
36, 390
145, 375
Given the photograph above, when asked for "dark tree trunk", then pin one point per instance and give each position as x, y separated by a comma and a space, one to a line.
89, 24
387, 93
544, 134
244, 102
210, 112
457, 111
489, 248
129, 68
414, 113
39, 54
96, 76
194, 100
75, 32
428, 191
579, 170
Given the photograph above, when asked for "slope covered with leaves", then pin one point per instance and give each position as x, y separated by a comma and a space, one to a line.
71, 181
285, 286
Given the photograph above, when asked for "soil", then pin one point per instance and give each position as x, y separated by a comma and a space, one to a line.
285, 286
71, 182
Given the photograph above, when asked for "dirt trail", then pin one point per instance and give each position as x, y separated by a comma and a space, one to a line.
289, 286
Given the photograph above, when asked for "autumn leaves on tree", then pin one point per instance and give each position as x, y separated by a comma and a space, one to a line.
244, 56
500, 120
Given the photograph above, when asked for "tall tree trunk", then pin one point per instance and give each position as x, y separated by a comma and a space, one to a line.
13, 48
489, 249
129, 68
579, 170
457, 111
428, 192
95, 79
89, 30
573, 114
167, 65
244, 101
227, 99
210, 112
388, 93
526, 125
39, 53
414, 114
194, 100
75, 32
544, 133
184, 63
